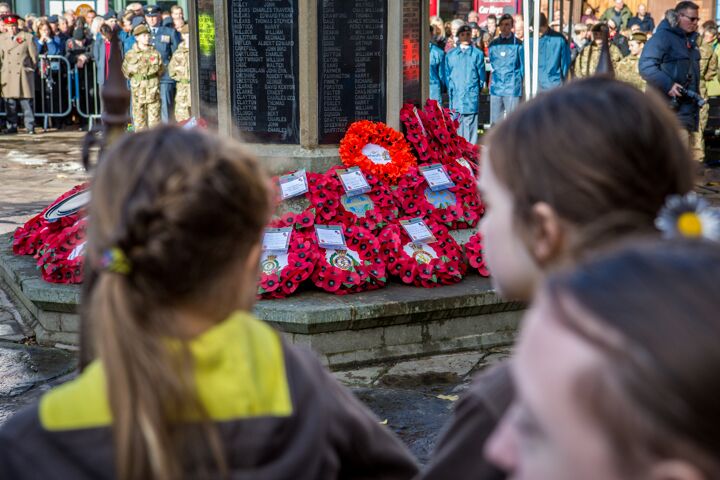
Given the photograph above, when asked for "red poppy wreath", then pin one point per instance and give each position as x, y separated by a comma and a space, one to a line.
282, 273
474, 254
423, 264
372, 210
357, 268
456, 207
30, 237
377, 149
62, 256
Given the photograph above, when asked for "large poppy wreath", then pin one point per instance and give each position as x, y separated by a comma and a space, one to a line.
456, 207
432, 132
357, 268
282, 274
474, 254
28, 239
423, 265
62, 255
377, 149
372, 210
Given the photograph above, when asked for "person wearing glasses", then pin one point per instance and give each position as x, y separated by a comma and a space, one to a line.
670, 62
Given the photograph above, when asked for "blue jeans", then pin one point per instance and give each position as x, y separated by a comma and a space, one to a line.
11, 110
501, 107
469, 127
167, 101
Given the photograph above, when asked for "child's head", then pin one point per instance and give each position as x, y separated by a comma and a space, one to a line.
175, 224
618, 370
574, 169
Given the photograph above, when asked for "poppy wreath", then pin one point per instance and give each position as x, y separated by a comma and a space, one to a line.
428, 265
456, 207
62, 256
28, 239
372, 210
433, 133
359, 268
312, 177
364, 132
474, 254
281, 275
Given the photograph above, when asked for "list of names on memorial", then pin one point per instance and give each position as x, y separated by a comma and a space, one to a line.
351, 66
264, 69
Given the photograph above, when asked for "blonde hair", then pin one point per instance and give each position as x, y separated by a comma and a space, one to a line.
184, 208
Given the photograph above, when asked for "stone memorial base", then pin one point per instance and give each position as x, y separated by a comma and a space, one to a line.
388, 324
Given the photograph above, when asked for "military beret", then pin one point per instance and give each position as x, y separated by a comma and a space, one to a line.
140, 29
474, 25
110, 14
185, 29
11, 19
152, 11
639, 37
137, 21
53, 19
464, 29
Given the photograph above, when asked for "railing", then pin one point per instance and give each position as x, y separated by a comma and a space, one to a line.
87, 93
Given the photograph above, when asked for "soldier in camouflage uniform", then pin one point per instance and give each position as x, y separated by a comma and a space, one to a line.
586, 63
708, 72
179, 69
627, 68
143, 66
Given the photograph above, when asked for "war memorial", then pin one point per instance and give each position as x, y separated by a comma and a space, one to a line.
297, 94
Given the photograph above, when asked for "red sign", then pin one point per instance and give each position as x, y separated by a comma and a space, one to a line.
494, 7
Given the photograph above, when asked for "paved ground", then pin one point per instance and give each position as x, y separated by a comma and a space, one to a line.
415, 397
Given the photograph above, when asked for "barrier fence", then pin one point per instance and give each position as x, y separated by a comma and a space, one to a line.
59, 87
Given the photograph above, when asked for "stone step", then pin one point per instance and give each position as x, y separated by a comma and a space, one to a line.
393, 323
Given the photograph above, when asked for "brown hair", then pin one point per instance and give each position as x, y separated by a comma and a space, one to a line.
601, 153
653, 315
185, 208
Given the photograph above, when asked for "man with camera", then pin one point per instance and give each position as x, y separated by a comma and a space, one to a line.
670, 62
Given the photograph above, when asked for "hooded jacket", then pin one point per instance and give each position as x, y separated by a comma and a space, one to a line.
553, 59
465, 73
279, 414
437, 72
506, 58
672, 56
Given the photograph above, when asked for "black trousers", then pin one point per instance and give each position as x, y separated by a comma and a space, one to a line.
11, 110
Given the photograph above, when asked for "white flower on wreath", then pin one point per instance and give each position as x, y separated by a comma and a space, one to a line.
688, 216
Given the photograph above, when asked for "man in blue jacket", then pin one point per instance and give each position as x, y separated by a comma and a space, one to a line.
465, 72
553, 57
506, 81
670, 62
165, 40
437, 71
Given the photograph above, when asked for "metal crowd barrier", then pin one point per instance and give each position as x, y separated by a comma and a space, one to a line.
52, 89
87, 93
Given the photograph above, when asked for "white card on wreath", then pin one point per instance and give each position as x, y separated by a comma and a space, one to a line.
418, 231
377, 154
293, 185
276, 239
330, 236
436, 177
353, 181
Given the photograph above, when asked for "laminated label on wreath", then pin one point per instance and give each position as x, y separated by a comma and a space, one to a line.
456, 207
371, 210
356, 267
423, 264
377, 149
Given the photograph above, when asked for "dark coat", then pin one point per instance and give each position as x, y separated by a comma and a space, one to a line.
621, 42
647, 24
672, 56
165, 40
98, 55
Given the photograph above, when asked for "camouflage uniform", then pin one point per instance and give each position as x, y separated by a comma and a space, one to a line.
179, 69
708, 72
143, 68
627, 71
586, 63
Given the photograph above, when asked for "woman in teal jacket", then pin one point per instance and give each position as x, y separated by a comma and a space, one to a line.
437, 72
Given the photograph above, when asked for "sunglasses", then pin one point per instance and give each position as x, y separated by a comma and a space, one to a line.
692, 19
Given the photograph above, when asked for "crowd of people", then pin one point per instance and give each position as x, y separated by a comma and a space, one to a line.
160, 93
466, 56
